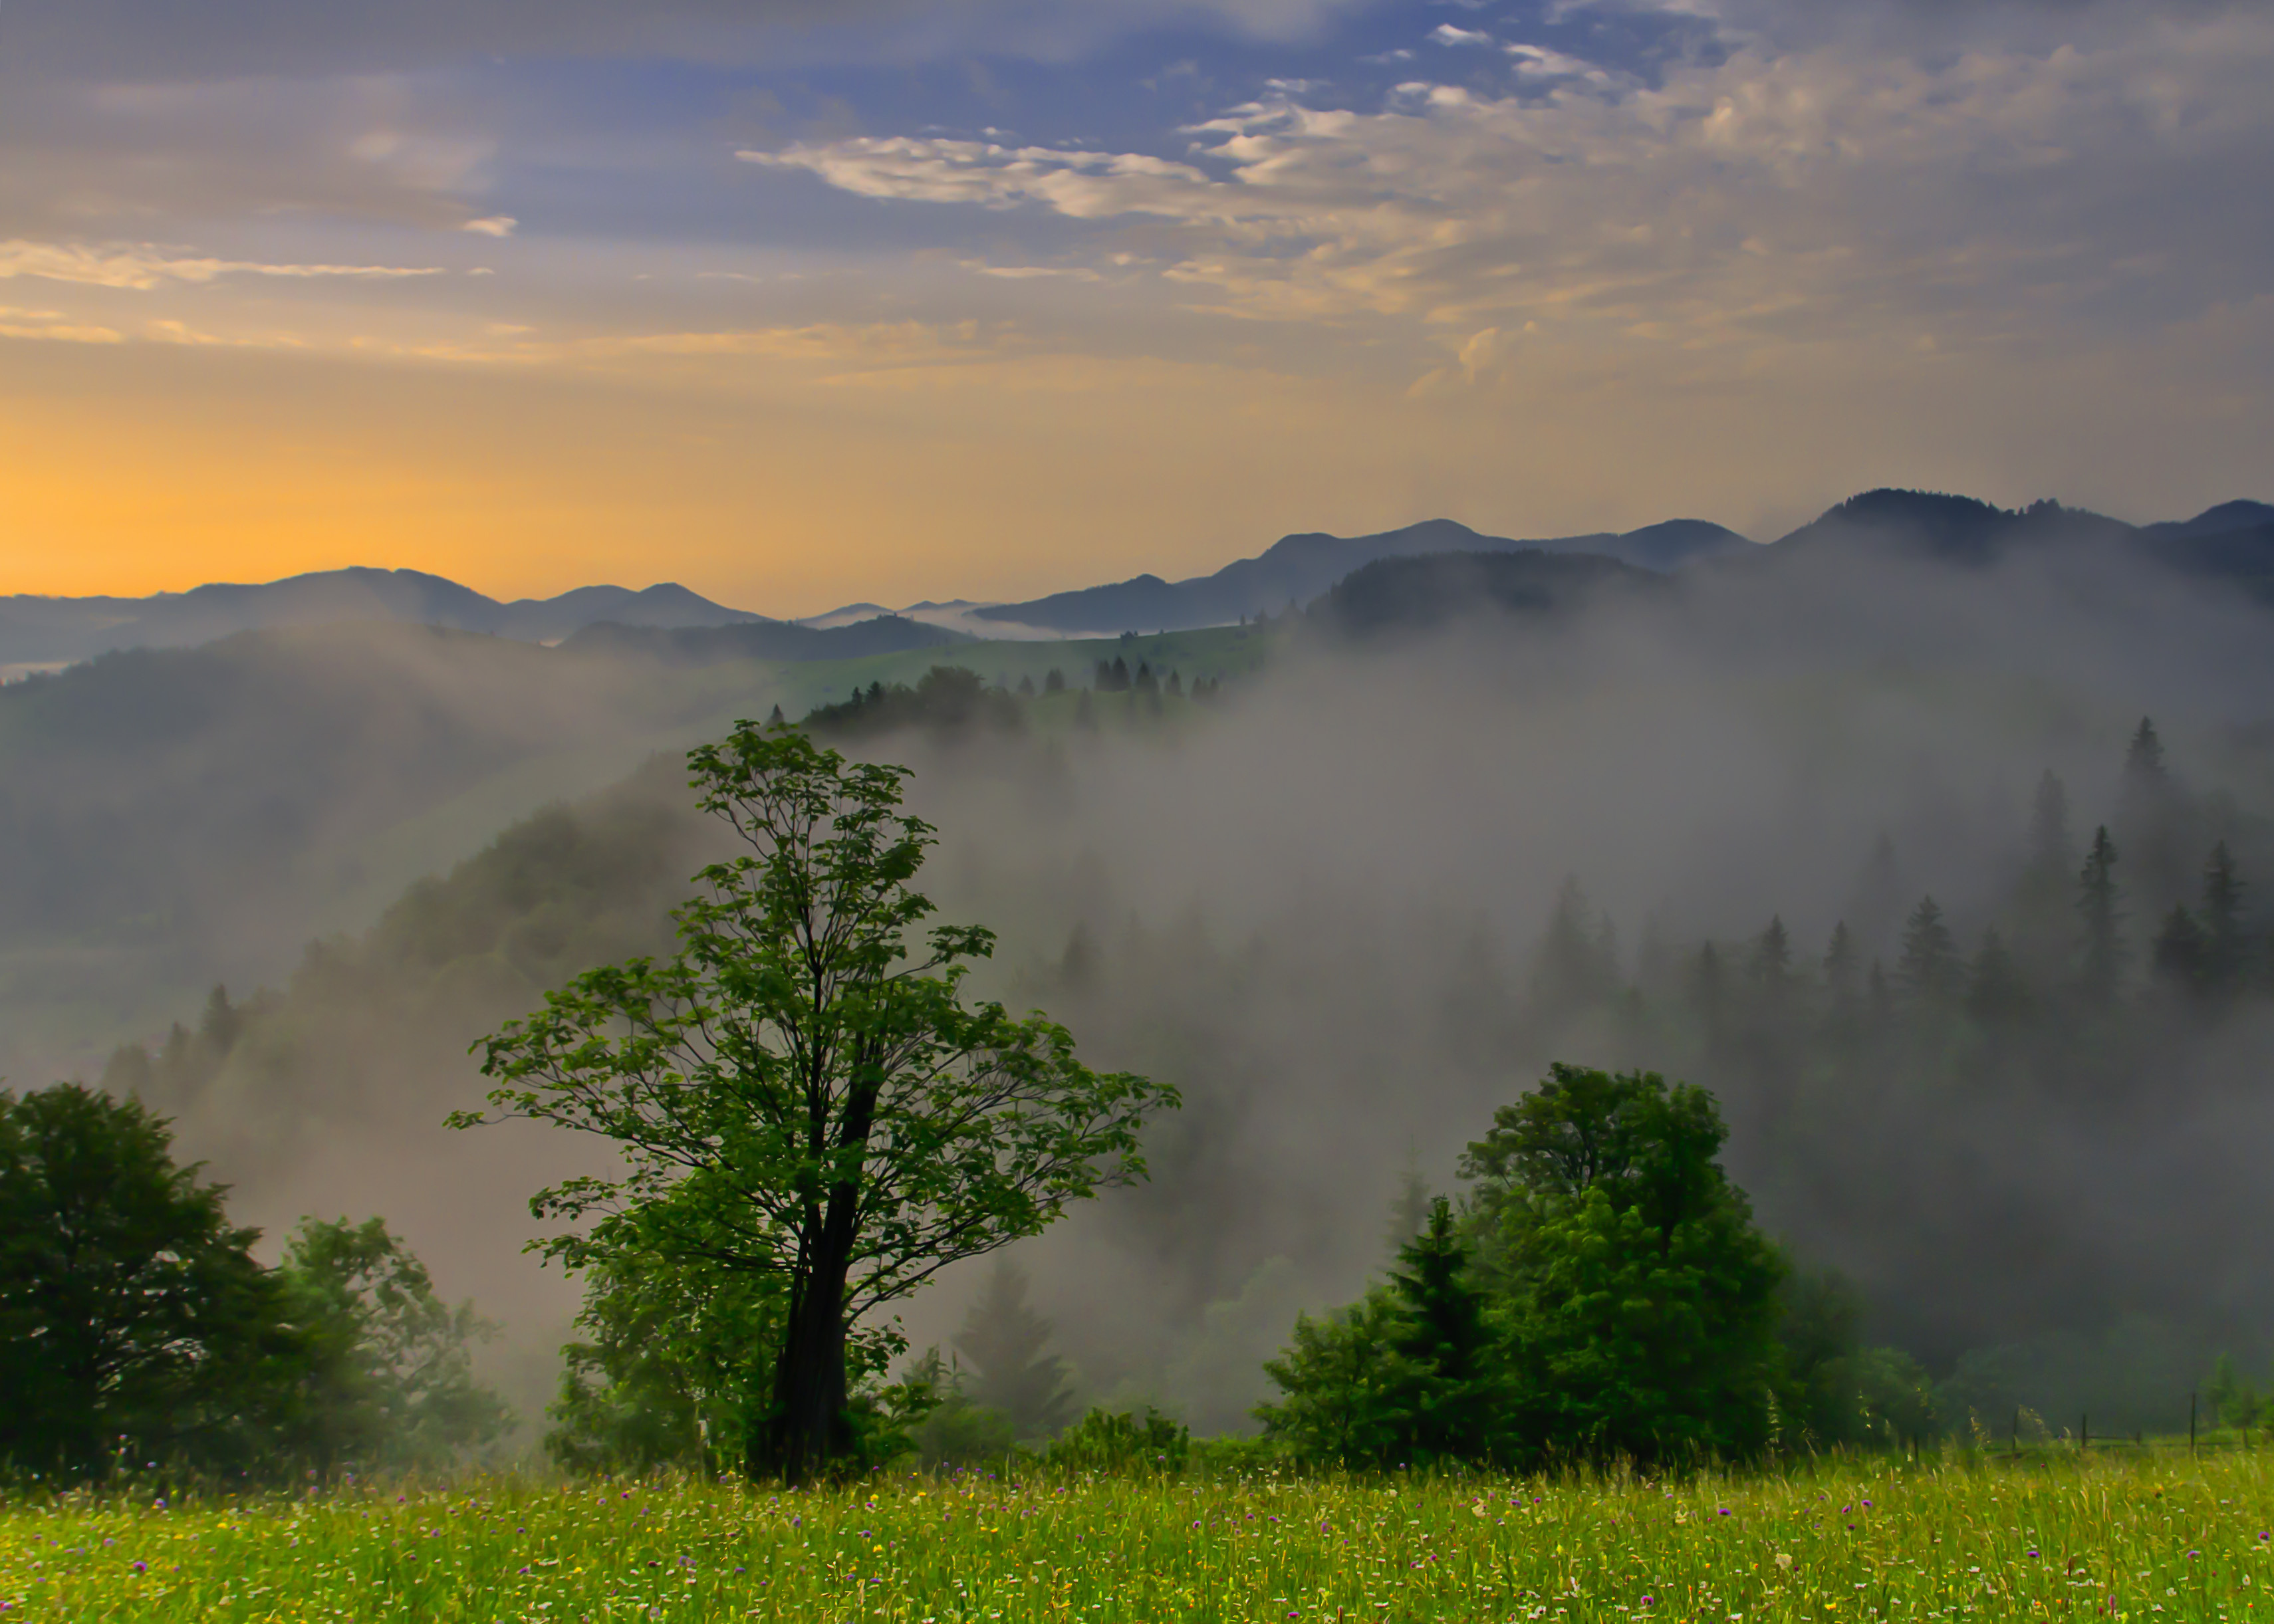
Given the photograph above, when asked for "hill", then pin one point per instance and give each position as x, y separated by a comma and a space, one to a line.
1297, 569
49, 630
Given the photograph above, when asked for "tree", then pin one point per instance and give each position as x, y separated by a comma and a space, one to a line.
393, 1383
1054, 681
2041, 900
2100, 952
1640, 1300
130, 1308
1996, 991
2226, 950
1342, 1387
2181, 952
1840, 971
802, 1091
1004, 1340
1439, 1337
1930, 971
672, 1367
1574, 969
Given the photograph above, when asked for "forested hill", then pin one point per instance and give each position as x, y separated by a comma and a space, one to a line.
1296, 569
1419, 595
44, 630
767, 640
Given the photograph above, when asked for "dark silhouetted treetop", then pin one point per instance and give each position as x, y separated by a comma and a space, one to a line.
1930, 970
1054, 682
2226, 948
2100, 918
946, 699
1996, 990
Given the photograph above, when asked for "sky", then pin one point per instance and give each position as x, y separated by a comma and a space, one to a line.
798, 302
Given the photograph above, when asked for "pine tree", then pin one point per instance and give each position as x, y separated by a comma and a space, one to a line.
1928, 970
2143, 758
1003, 1339
2225, 949
1442, 1338
1839, 969
1120, 672
1409, 1210
1568, 972
775, 718
1055, 682
2181, 954
2041, 901
1771, 969
1026, 688
2099, 907
1996, 991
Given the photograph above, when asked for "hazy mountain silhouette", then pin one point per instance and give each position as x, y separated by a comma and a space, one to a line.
33, 629
1297, 569
1422, 594
771, 640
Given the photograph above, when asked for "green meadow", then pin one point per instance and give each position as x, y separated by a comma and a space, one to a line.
2159, 1535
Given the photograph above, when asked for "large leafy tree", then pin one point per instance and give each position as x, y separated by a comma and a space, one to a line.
802, 1092
132, 1314
391, 1383
1639, 1301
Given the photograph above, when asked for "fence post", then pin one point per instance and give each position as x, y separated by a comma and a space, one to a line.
2017, 1431
2191, 1422
2084, 1432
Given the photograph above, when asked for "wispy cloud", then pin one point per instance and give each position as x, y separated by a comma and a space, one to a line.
491, 225
143, 266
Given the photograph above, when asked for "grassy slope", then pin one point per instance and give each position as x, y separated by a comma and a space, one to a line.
2161, 1534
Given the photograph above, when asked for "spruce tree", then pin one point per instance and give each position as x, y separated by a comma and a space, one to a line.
1441, 1338
2226, 950
1003, 1340
1928, 970
1839, 969
1055, 682
1996, 993
2099, 909
1771, 969
2181, 954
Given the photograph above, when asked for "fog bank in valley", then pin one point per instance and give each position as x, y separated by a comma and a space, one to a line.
1337, 909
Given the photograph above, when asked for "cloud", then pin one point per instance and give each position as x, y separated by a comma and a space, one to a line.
54, 326
129, 40
1445, 33
491, 225
1764, 197
143, 266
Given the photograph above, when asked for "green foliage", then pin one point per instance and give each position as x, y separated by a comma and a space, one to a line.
1620, 1302
133, 1317
1343, 1393
391, 1383
136, 1325
801, 1094
1102, 1441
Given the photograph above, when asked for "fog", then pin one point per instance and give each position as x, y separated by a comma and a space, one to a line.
1317, 906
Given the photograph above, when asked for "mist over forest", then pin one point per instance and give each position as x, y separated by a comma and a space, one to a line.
1467, 816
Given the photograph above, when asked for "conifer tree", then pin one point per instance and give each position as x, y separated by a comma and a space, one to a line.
1055, 682
2226, 950
2181, 954
1003, 1340
1996, 990
2099, 908
1839, 969
1928, 970
1771, 969
1441, 1338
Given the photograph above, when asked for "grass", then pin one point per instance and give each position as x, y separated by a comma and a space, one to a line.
2148, 1536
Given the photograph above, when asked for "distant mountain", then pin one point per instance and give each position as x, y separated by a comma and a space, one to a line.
1422, 594
53, 629
771, 640
2231, 543
1298, 568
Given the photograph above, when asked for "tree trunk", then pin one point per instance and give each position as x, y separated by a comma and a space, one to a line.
808, 1428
